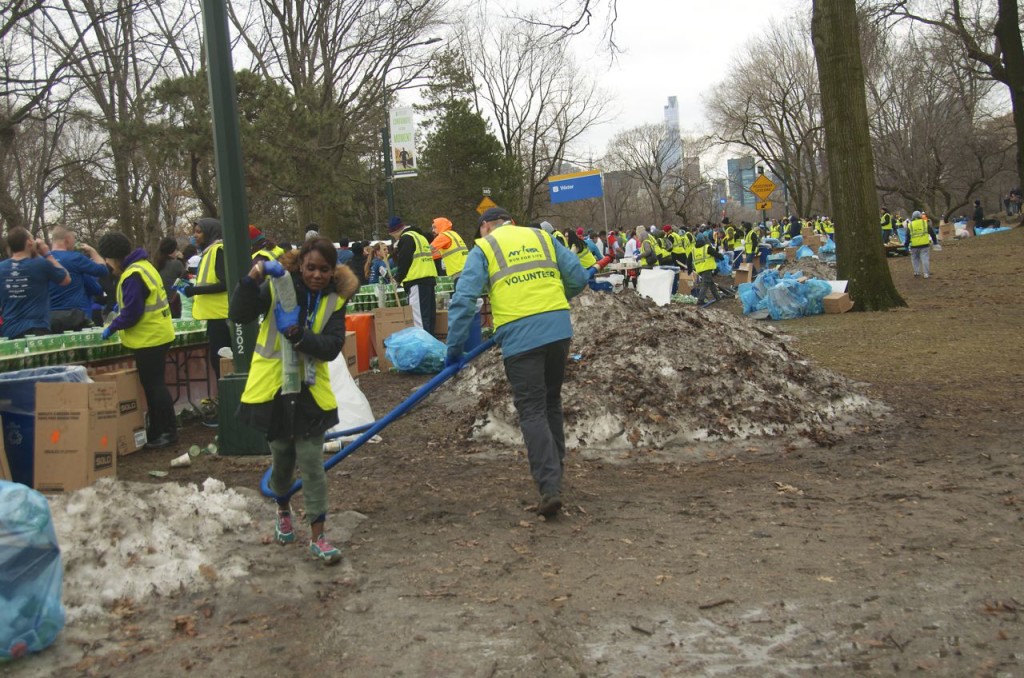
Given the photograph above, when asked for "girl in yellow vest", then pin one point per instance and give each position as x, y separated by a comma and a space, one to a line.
295, 424
210, 290
145, 325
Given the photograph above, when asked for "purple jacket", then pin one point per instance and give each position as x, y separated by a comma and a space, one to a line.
134, 293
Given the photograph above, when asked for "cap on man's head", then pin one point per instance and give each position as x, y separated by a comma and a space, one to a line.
666, 228
496, 214
547, 227
395, 224
255, 234
915, 215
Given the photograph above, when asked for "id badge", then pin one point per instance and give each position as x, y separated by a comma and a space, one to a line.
310, 369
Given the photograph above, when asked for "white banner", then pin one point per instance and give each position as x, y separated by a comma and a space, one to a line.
403, 142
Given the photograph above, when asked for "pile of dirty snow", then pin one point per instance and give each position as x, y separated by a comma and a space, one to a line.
640, 375
124, 540
811, 268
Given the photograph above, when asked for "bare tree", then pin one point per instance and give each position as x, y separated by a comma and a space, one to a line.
769, 104
989, 34
835, 33
536, 95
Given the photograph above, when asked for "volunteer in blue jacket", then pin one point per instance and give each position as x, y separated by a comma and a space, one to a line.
145, 325
531, 277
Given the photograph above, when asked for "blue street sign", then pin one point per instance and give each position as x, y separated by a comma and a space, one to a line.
578, 186
721, 200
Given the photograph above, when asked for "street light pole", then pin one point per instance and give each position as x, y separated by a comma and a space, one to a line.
385, 132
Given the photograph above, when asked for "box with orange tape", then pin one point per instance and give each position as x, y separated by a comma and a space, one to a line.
76, 435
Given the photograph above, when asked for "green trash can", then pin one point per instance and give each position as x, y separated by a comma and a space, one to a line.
235, 438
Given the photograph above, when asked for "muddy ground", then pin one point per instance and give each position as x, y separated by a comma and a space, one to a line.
896, 550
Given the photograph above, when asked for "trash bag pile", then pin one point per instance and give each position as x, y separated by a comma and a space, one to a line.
416, 351
33, 578
784, 297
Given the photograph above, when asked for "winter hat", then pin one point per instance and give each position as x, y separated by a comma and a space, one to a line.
666, 228
547, 227
915, 215
255, 235
114, 246
496, 214
579, 232
395, 224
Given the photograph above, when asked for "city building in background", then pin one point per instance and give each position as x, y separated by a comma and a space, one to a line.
741, 172
672, 144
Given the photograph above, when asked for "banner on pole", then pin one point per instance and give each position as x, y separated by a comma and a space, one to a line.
402, 123
577, 186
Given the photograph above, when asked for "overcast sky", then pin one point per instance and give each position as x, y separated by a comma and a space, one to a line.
682, 48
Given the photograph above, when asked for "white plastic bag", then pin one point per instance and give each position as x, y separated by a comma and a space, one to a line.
353, 407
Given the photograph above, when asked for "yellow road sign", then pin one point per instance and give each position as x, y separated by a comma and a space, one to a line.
765, 205
485, 205
762, 187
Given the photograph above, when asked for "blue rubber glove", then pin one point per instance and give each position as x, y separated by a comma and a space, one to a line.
603, 286
273, 269
107, 333
591, 272
454, 356
285, 319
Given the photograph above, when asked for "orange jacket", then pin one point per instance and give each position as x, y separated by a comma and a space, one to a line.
441, 241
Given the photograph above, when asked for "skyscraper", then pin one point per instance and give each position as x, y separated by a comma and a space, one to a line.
741, 173
672, 143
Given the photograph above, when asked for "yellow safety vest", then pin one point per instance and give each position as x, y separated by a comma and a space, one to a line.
422, 259
455, 256
919, 233
678, 244
265, 376
562, 239
702, 259
829, 227
154, 327
586, 257
523, 273
886, 222
776, 232
277, 252
688, 242
265, 253
210, 306
748, 242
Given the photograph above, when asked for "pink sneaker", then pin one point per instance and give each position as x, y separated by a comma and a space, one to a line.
283, 532
322, 550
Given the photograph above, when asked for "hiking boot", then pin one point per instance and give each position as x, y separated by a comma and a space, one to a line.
321, 549
283, 532
550, 505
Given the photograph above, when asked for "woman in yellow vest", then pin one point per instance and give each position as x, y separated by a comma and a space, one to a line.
449, 246
144, 322
295, 424
920, 237
210, 290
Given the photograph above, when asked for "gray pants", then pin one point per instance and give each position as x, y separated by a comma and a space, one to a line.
309, 454
707, 284
919, 258
536, 380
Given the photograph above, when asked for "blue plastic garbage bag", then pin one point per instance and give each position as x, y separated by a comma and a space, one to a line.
828, 248
415, 350
765, 280
31, 575
815, 291
748, 295
785, 302
724, 267
804, 252
798, 241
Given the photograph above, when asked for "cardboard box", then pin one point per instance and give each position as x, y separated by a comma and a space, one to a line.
790, 253
808, 233
744, 274
76, 435
947, 232
5, 469
838, 302
131, 410
227, 366
387, 321
351, 352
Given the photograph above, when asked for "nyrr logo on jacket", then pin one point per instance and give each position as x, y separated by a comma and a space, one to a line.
512, 254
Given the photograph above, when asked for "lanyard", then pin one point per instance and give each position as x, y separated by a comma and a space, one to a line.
311, 307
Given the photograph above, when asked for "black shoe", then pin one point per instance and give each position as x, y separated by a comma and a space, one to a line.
550, 504
164, 440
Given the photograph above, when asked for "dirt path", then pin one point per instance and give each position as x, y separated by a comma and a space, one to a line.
896, 550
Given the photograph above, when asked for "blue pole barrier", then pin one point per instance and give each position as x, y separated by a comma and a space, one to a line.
370, 430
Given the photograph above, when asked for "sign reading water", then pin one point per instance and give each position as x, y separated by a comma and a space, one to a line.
578, 186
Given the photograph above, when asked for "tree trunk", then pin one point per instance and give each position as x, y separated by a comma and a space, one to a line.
10, 213
1007, 32
860, 256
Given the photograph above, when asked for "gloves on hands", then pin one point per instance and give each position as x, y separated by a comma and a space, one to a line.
603, 286
107, 333
285, 319
273, 269
591, 272
454, 356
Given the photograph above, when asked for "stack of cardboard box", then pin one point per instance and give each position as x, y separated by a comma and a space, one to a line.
131, 410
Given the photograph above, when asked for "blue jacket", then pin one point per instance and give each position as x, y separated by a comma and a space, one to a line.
525, 334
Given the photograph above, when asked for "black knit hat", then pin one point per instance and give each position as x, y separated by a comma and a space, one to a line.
114, 246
